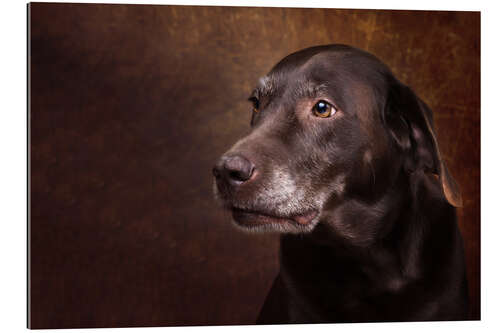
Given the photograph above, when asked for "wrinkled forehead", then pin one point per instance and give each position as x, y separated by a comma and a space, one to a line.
348, 84
356, 85
296, 84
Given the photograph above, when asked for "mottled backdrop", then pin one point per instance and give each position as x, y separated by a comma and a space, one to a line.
130, 107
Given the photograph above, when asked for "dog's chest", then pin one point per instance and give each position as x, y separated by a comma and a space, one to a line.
322, 287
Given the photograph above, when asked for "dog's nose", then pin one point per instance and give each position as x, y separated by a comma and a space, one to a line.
235, 169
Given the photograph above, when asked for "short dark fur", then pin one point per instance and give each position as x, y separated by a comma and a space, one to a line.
373, 235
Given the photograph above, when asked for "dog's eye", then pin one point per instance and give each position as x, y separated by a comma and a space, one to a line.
255, 103
323, 109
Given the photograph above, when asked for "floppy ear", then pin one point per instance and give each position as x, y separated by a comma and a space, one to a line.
411, 125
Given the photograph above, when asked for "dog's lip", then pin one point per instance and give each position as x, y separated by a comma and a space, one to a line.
253, 217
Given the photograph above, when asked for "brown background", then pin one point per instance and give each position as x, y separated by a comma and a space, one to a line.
131, 106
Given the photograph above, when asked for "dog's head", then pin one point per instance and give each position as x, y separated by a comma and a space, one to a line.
329, 124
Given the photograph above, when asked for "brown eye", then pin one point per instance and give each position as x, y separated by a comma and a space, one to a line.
323, 109
255, 103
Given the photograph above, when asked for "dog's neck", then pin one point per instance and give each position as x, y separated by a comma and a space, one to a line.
378, 235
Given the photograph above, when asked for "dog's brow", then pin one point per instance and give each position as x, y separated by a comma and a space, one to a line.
310, 89
265, 86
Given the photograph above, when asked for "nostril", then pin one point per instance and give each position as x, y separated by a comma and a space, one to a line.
235, 175
240, 176
216, 172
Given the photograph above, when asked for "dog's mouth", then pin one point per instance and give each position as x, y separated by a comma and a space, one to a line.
254, 218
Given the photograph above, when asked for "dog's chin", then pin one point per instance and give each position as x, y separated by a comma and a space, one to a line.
250, 220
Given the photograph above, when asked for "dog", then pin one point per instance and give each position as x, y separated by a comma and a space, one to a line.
342, 160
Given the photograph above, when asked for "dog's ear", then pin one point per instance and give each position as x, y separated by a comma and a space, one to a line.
411, 125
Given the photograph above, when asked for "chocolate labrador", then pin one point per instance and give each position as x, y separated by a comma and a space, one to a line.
342, 160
